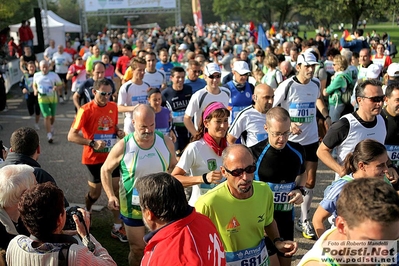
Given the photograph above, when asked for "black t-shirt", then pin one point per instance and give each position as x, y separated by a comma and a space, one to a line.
392, 126
113, 57
279, 166
27, 59
85, 90
338, 131
177, 100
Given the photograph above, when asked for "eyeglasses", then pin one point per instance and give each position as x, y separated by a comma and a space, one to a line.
244, 75
197, 72
250, 169
375, 99
277, 135
79, 59
214, 76
103, 93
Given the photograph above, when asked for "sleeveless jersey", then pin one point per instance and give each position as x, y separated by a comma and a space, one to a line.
137, 162
239, 99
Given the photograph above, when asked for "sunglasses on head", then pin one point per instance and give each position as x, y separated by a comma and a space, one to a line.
250, 169
215, 76
103, 93
375, 99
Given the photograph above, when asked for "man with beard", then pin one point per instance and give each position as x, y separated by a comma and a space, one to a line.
249, 123
173, 222
242, 211
271, 156
140, 153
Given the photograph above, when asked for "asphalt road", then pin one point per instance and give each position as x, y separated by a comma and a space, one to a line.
63, 159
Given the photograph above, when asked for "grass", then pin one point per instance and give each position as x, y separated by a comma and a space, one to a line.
101, 230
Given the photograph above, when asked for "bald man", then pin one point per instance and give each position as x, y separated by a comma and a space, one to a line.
140, 153
249, 123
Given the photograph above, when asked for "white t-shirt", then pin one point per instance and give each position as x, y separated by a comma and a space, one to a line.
201, 99
197, 159
252, 122
301, 105
46, 83
49, 52
62, 62
131, 94
155, 79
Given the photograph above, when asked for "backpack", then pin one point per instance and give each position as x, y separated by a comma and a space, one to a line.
347, 94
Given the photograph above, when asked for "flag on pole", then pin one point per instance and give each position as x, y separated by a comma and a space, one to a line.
252, 31
262, 39
272, 31
129, 29
197, 15
347, 36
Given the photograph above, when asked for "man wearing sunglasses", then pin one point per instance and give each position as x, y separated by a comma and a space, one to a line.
365, 123
98, 122
271, 156
211, 93
193, 73
242, 211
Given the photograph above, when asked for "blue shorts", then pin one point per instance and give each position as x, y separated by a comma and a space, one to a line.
131, 222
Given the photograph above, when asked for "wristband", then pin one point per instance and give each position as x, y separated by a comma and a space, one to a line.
205, 180
300, 188
278, 239
327, 117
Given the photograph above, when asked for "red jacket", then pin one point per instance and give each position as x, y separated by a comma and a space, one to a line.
23, 34
190, 241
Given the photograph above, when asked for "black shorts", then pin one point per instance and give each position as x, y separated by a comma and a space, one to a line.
95, 171
32, 104
63, 77
310, 152
285, 225
182, 139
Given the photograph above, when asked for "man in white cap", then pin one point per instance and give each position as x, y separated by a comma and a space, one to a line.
241, 90
393, 75
211, 93
373, 71
300, 95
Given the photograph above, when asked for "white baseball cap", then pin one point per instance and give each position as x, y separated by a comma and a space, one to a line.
307, 59
373, 71
211, 68
241, 67
393, 70
183, 46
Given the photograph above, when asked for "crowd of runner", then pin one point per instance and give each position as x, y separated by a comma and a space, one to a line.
223, 116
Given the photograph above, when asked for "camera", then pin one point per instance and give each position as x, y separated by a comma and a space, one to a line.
70, 223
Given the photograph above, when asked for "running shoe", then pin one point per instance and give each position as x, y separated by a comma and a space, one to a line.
119, 234
50, 138
306, 228
61, 99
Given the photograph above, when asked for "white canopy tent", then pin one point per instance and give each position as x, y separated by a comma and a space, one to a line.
58, 27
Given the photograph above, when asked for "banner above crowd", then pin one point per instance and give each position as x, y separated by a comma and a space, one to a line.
97, 5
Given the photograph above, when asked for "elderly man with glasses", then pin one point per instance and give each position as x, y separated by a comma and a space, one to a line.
242, 211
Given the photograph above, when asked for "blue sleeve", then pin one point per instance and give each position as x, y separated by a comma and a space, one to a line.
331, 194
346, 44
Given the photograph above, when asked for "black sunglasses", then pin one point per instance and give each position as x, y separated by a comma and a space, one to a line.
375, 99
250, 169
246, 74
103, 93
214, 76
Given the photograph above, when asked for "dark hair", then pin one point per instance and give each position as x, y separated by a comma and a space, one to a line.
332, 52
24, 140
97, 63
151, 54
163, 195
40, 207
222, 112
128, 47
151, 91
362, 85
177, 70
365, 151
102, 82
355, 55
368, 198
359, 32
390, 88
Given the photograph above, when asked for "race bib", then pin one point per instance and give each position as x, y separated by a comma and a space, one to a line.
135, 198
236, 110
302, 112
256, 256
45, 89
393, 153
178, 117
280, 196
139, 99
109, 139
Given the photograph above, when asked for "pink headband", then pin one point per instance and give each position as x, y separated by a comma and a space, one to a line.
212, 107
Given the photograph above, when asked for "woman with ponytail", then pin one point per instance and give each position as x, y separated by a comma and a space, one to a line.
369, 159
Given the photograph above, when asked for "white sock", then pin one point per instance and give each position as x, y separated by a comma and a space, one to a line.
117, 227
305, 206
49, 135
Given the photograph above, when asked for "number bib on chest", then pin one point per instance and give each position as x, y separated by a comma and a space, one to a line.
139, 99
302, 112
393, 153
178, 117
256, 256
280, 194
109, 139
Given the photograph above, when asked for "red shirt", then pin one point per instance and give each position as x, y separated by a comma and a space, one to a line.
96, 122
74, 68
23, 34
192, 240
70, 51
123, 63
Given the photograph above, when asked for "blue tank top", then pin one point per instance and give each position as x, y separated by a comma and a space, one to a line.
239, 98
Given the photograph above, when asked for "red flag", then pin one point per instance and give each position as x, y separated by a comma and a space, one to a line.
197, 14
129, 29
251, 26
272, 31
347, 36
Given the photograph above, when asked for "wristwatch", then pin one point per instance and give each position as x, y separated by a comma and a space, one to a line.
91, 144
